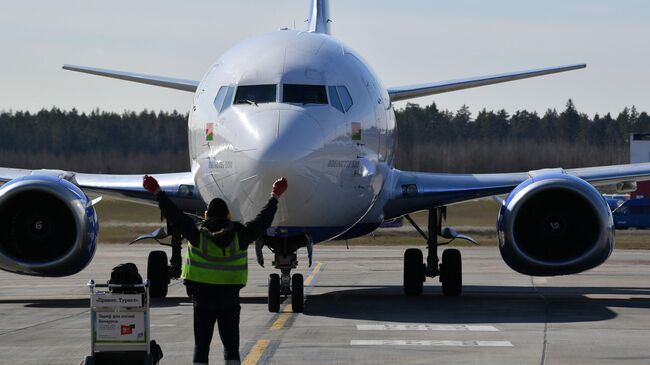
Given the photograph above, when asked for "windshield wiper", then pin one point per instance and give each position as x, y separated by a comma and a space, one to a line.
250, 102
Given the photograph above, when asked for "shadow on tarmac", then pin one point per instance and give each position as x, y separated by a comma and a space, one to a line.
85, 302
478, 304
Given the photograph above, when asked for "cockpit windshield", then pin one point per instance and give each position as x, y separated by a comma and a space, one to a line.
304, 94
256, 94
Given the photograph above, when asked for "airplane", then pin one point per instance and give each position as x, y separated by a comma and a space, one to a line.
304, 105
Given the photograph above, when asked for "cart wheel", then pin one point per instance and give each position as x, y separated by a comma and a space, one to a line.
158, 274
89, 360
148, 360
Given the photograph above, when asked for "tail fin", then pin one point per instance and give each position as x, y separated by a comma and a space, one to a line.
319, 17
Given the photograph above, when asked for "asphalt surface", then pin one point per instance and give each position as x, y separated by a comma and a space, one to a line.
355, 313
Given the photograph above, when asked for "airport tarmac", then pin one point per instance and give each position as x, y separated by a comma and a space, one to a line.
355, 313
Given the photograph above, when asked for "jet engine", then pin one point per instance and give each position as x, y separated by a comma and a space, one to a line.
555, 224
48, 227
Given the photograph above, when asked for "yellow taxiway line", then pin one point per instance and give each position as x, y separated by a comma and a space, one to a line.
311, 276
256, 352
260, 346
286, 313
282, 318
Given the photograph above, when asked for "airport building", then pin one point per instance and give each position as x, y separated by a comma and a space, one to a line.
640, 152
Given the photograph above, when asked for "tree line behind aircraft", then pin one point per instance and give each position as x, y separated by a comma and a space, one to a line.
430, 139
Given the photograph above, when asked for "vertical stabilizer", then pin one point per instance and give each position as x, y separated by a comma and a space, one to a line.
319, 16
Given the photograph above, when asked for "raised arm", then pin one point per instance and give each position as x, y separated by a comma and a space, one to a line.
256, 227
176, 218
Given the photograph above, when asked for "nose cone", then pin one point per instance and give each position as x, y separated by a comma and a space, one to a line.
279, 134
282, 143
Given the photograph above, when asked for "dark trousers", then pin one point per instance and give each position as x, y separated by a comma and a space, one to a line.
215, 304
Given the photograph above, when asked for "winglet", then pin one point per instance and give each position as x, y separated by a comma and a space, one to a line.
319, 17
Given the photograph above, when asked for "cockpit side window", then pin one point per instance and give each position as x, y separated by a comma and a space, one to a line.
334, 98
346, 99
256, 94
227, 102
221, 96
304, 94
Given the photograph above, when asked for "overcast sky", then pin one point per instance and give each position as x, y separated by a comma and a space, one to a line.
406, 42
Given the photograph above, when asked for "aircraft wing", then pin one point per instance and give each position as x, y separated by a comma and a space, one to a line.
416, 91
414, 191
168, 82
178, 186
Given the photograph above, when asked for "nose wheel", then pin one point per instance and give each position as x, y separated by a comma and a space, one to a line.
297, 293
286, 286
274, 293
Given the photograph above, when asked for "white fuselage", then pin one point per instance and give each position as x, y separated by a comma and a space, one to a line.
336, 161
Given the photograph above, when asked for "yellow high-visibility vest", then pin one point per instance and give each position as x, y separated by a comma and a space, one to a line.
212, 264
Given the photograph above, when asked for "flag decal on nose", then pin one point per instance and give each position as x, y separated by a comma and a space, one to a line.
209, 131
356, 131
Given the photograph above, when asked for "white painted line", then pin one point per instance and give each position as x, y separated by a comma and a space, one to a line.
538, 280
431, 343
425, 327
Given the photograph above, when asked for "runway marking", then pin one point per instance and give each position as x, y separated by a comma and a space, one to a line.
256, 352
431, 343
425, 327
287, 311
282, 318
311, 276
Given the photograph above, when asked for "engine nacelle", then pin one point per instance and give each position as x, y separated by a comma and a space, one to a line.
555, 224
48, 227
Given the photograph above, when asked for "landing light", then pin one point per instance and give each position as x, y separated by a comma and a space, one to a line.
409, 190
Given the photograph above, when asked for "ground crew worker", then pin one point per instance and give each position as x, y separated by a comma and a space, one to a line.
216, 266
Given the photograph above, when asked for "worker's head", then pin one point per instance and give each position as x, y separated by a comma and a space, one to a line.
217, 209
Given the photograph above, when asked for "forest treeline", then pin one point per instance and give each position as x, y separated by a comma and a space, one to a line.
496, 141
429, 139
98, 142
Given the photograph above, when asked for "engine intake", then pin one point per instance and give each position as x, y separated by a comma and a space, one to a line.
555, 224
48, 227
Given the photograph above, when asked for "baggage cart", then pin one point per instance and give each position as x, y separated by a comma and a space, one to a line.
120, 328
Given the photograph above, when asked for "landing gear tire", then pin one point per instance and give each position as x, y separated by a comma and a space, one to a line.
297, 293
274, 293
451, 273
158, 274
413, 272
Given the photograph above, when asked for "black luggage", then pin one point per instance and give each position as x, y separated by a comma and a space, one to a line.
126, 274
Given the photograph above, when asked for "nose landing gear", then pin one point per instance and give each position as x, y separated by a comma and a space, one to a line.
285, 285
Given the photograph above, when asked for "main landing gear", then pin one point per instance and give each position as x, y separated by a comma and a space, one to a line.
449, 271
159, 270
284, 284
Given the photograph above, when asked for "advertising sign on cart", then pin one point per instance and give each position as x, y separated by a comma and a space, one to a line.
112, 327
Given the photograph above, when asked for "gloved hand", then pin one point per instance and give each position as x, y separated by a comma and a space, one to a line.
150, 184
279, 187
